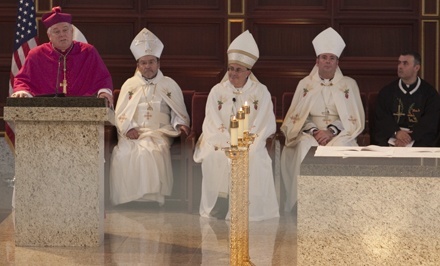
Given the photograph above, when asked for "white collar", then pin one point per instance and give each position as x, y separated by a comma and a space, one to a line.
413, 90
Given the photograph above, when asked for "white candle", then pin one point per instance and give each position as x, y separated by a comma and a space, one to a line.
233, 127
240, 117
247, 111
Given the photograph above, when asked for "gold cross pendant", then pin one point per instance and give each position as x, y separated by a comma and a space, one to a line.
64, 84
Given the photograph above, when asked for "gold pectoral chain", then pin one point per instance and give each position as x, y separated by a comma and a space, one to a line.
64, 83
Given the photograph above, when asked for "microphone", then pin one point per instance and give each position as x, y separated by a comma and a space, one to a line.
233, 99
57, 85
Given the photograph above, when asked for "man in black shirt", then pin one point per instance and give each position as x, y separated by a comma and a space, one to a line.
407, 109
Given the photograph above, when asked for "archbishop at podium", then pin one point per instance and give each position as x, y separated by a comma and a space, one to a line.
63, 66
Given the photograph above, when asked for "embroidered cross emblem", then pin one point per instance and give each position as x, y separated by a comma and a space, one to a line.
148, 115
352, 119
149, 41
122, 118
326, 113
222, 128
399, 113
294, 118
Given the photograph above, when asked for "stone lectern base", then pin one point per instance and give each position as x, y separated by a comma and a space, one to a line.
59, 175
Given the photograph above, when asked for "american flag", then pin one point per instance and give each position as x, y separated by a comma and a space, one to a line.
24, 40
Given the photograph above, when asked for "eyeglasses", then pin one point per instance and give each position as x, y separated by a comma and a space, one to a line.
237, 70
58, 32
146, 63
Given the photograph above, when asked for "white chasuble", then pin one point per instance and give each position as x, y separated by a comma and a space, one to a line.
317, 103
223, 101
141, 168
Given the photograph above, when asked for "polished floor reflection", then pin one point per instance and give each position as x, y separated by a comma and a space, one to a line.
141, 233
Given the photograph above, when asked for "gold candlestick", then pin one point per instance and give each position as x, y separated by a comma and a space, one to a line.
233, 131
247, 111
239, 202
240, 118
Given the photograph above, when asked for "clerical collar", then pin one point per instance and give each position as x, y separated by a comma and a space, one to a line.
411, 89
151, 80
237, 90
326, 82
246, 85
66, 52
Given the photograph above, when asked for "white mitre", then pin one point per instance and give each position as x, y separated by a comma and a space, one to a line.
78, 35
243, 50
146, 43
328, 41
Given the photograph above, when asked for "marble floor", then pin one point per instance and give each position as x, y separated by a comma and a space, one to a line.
145, 234
142, 233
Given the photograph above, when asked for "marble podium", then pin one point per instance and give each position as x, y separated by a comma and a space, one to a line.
369, 211
59, 169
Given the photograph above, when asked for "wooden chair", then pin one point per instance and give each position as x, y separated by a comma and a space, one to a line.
197, 116
179, 154
364, 138
371, 115
110, 141
177, 151
286, 100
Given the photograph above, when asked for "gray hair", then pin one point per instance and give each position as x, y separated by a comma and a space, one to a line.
50, 28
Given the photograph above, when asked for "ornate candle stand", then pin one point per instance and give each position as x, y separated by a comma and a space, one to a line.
239, 201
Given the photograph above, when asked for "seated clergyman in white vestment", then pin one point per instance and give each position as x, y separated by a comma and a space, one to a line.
326, 110
237, 87
149, 113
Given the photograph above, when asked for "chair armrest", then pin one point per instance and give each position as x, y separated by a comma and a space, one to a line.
270, 145
190, 143
191, 137
110, 138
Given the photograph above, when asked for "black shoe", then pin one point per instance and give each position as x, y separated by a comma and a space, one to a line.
221, 208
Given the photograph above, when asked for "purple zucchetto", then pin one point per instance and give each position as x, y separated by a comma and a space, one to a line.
54, 17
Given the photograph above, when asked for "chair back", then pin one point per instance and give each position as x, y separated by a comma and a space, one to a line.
198, 112
187, 98
115, 96
364, 100
274, 103
371, 115
286, 101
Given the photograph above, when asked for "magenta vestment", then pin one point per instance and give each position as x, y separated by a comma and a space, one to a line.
86, 73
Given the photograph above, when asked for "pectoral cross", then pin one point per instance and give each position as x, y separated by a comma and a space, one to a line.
326, 114
399, 111
64, 84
